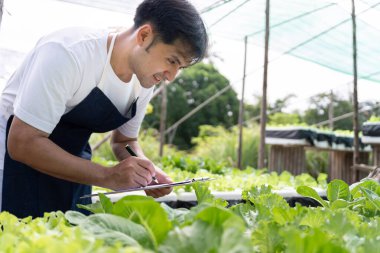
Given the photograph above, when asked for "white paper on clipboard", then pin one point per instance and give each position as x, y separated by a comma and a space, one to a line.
151, 187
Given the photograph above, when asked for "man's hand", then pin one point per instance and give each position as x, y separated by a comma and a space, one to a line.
162, 178
137, 176
131, 172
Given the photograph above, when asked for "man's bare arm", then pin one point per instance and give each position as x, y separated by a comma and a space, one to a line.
118, 142
33, 147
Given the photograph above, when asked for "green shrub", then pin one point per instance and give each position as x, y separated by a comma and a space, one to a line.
104, 151
317, 162
374, 118
221, 144
280, 118
148, 140
193, 164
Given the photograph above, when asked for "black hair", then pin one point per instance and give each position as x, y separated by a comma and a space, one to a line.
172, 20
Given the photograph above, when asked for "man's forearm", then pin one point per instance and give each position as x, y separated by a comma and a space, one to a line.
118, 142
121, 153
33, 148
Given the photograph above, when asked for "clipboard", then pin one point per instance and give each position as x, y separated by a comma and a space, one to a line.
151, 187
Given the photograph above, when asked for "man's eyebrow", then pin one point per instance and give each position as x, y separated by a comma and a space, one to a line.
179, 62
176, 59
184, 56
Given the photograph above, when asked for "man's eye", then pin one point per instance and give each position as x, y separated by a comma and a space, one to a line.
171, 61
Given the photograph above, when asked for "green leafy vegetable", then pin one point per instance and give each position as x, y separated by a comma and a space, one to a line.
338, 189
307, 191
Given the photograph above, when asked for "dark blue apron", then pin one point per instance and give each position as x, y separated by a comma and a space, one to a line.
27, 191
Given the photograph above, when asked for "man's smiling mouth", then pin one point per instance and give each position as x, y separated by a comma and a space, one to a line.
157, 78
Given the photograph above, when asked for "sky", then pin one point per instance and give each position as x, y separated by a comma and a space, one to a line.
25, 21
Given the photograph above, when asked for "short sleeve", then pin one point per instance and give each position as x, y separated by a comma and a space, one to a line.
50, 79
132, 127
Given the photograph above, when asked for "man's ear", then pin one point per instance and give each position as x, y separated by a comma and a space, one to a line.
144, 35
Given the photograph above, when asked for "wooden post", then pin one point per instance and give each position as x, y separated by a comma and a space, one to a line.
376, 154
355, 95
341, 166
241, 108
163, 119
331, 111
263, 114
331, 120
289, 158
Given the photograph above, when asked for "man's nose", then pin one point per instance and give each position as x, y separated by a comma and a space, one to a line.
170, 75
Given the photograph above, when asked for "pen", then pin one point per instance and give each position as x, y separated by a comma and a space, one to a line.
132, 153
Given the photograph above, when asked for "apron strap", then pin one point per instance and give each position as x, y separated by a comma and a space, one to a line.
136, 85
136, 89
100, 84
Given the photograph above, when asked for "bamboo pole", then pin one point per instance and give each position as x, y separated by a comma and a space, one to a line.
163, 118
331, 122
241, 108
355, 95
263, 114
331, 110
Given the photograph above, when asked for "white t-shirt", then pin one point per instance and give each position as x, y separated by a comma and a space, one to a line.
58, 74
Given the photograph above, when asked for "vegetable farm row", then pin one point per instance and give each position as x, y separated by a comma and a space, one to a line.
348, 221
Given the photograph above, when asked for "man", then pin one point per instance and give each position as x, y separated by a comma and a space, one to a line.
78, 81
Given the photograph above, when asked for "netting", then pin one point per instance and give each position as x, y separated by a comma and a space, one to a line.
316, 31
319, 31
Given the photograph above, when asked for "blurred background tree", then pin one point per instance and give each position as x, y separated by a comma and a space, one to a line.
190, 89
319, 107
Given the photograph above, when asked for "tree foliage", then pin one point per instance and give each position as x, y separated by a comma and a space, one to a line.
280, 104
319, 106
190, 89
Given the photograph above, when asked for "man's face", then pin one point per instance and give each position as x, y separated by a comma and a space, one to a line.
159, 62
